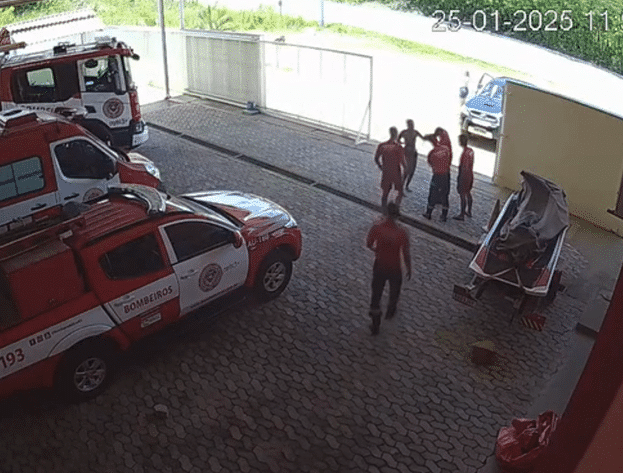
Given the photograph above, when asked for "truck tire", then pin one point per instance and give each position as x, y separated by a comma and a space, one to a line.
85, 371
273, 276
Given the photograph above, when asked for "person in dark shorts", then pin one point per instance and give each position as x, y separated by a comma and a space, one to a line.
465, 180
439, 159
389, 241
390, 158
408, 136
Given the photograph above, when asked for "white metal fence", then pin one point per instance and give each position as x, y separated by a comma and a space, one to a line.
320, 85
328, 87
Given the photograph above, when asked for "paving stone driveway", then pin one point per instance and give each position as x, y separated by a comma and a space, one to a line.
298, 384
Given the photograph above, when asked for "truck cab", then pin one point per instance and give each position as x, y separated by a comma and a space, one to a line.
47, 161
94, 78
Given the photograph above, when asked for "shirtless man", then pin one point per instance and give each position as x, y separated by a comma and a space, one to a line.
408, 137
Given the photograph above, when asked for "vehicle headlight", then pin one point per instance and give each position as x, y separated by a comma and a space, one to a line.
153, 170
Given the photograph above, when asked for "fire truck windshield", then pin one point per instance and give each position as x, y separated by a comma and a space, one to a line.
129, 82
102, 75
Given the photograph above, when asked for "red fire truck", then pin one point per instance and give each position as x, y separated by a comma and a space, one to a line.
46, 161
132, 262
92, 78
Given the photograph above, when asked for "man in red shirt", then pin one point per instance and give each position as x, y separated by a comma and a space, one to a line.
465, 180
392, 166
439, 159
389, 242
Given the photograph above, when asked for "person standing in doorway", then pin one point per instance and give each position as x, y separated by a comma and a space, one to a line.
465, 180
439, 159
390, 242
390, 158
408, 136
464, 89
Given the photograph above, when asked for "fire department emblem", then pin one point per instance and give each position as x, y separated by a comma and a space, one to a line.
113, 108
210, 277
92, 194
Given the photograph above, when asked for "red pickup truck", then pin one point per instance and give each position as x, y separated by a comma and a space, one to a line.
77, 290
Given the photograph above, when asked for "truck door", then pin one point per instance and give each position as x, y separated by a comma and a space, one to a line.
205, 259
104, 91
133, 279
83, 170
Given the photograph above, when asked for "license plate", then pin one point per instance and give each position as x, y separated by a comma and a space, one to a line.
478, 130
461, 294
151, 319
140, 138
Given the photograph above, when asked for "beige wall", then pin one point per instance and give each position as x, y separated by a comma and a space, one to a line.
578, 147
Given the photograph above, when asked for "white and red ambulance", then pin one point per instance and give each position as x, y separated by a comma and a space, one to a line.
76, 291
46, 161
92, 78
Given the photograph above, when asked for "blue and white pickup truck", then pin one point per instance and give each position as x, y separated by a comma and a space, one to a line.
482, 113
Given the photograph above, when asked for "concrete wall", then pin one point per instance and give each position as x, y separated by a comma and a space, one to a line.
227, 66
147, 43
577, 146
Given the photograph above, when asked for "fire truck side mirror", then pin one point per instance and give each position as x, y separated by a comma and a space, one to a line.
236, 239
135, 56
109, 168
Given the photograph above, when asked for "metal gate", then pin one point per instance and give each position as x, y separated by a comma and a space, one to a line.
330, 88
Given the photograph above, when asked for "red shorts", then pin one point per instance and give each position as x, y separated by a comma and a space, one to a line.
387, 182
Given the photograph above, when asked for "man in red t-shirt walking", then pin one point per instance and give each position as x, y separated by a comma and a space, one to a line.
389, 242
439, 159
392, 166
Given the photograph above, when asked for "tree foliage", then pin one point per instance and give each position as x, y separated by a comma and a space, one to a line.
595, 45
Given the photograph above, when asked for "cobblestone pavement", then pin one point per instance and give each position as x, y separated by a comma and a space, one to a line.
299, 384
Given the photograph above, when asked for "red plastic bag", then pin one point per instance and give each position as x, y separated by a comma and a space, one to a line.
518, 446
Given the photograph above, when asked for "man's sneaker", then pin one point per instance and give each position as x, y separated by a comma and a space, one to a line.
375, 314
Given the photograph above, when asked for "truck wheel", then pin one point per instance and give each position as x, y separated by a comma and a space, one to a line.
273, 276
85, 371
